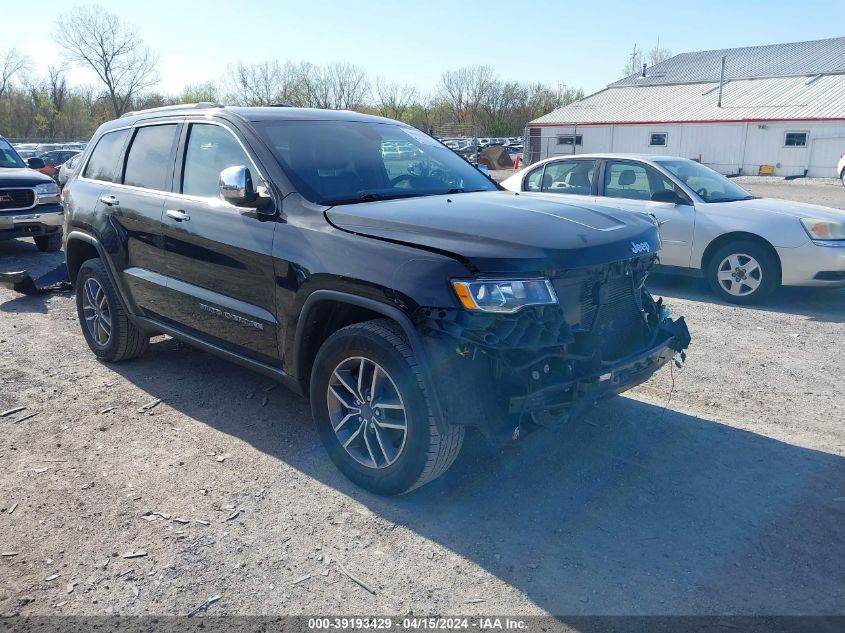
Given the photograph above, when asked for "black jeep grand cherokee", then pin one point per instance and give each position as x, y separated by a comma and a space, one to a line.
408, 298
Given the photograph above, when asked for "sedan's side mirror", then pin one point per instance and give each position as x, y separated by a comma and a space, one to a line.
236, 186
483, 169
669, 196
35, 163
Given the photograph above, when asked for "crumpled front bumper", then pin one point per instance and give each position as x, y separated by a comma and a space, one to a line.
672, 337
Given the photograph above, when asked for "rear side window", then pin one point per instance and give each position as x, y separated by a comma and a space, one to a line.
211, 149
103, 162
149, 162
570, 176
633, 181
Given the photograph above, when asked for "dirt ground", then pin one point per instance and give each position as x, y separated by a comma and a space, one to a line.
728, 498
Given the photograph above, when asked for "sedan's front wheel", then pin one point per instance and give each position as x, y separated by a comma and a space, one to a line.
373, 413
743, 272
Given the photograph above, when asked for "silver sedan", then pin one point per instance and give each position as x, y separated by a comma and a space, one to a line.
745, 246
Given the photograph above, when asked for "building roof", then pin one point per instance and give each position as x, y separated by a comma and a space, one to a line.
774, 60
785, 98
798, 81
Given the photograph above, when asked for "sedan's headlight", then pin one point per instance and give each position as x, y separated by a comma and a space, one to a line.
510, 295
823, 229
47, 192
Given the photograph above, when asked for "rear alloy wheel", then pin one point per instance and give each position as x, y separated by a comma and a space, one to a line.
743, 272
372, 410
106, 327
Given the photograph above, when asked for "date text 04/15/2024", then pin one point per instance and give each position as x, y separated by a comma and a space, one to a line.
418, 623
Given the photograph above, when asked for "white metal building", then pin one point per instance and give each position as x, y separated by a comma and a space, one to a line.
782, 105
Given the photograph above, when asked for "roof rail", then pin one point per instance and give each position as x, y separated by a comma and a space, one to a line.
178, 106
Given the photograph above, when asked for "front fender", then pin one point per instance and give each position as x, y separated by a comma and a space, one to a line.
390, 312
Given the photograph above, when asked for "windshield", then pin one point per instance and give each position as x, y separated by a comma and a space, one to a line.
710, 185
344, 162
9, 157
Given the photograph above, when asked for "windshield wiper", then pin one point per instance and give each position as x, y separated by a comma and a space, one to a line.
370, 196
732, 199
462, 190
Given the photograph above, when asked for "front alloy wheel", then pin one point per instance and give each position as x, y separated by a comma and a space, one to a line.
366, 412
372, 410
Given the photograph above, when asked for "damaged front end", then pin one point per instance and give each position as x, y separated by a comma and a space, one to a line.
544, 364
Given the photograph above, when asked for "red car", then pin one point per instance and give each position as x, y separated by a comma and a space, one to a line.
54, 159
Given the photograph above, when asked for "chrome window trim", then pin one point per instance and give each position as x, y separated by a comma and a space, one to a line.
215, 201
84, 166
190, 121
135, 129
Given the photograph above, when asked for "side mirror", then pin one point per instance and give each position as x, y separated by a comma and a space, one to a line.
35, 163
483, 169
236, 186
667, 196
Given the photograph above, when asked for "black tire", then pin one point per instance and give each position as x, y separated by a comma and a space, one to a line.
125, 339
49, 243
426, 452
766, 274
842, 177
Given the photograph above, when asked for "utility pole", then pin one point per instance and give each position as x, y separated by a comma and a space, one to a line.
634, 63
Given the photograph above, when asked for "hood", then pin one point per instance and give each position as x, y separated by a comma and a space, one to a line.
23, 177
498, 231
782, 207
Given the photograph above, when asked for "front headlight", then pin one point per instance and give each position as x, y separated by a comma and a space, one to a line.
47, 188
823, 229
47, 192
511, 295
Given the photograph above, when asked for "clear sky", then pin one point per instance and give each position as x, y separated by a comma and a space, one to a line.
582, 44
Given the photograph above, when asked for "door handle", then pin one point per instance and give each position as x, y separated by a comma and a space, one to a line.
178, 215
109, 201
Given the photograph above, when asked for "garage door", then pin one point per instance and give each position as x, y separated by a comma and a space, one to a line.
824, 154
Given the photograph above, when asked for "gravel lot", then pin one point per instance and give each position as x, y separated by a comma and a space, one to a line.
730, 500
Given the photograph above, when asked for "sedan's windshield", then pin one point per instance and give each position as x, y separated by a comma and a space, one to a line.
344, 162
710, 185
9, 157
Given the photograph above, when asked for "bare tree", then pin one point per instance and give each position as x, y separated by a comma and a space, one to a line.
206, 91
657, 55
348, 85
312, 87
393, 99
263, 83
12, 62
93, 37
57, 83
638, 57
464, 90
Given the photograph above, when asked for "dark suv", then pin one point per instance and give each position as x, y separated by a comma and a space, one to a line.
409, 299
29, 201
